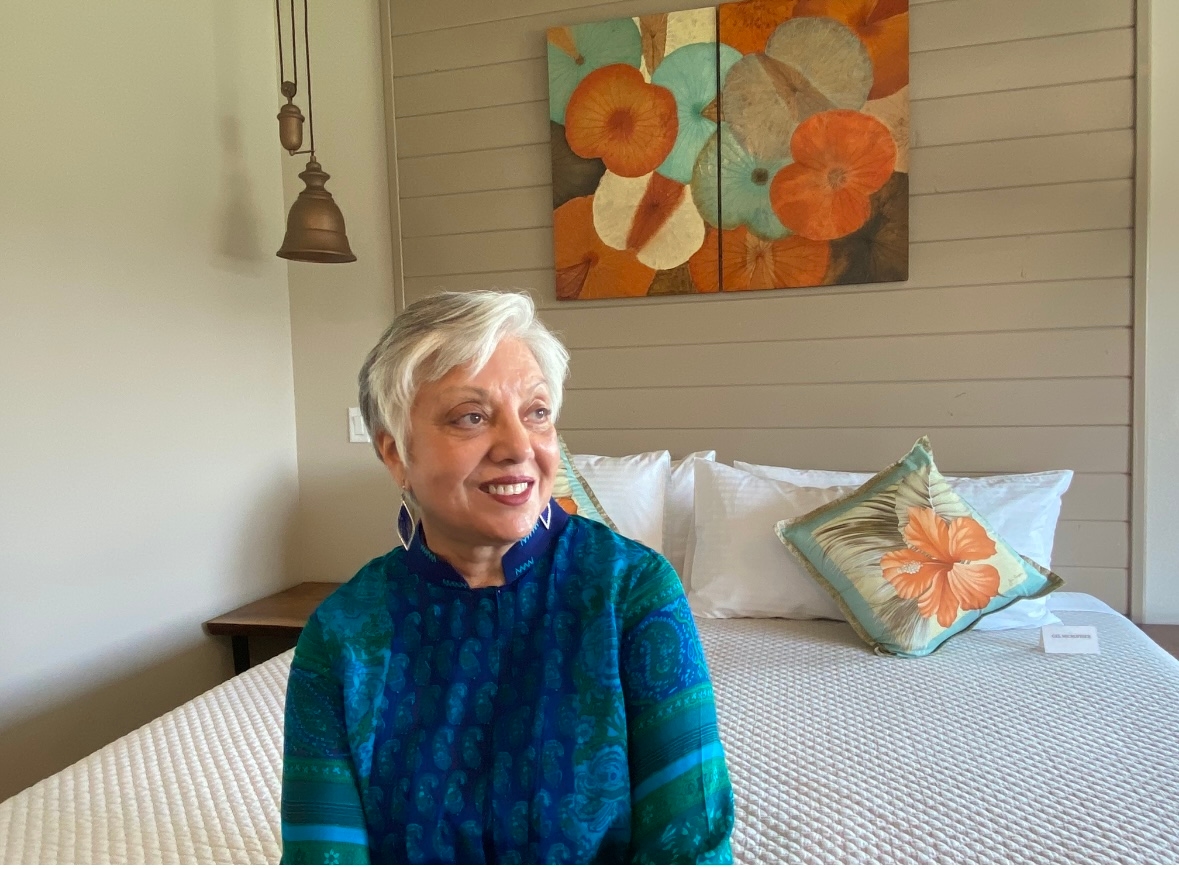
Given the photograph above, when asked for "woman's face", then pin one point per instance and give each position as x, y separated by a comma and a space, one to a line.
482, 451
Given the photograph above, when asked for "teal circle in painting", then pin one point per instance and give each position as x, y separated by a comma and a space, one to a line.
745, 181
689, 73
600, 44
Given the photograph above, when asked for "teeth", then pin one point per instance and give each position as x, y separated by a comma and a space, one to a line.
512, 489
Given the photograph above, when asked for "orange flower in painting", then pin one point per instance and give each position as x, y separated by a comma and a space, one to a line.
616, 115
841, 158
883, 27
936, 570
587, 267
747, 26
752, 263
704, 264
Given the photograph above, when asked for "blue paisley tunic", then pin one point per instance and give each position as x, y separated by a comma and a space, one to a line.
564, 717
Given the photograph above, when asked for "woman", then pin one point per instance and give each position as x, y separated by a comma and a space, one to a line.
512, 684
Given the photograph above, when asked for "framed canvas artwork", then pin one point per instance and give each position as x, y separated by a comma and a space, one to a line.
755, 145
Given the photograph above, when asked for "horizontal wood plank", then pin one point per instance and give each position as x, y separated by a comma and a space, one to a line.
514, 208
503, 40
956, 23
1060, 353
498, 84
1047, 111
982, 450
473, 130
821, 312
500, 250
499, 169
1072, 402
1103, 253
1096, 156
1091, 544
1054, 60
1109, 584
1022, 211
1097, 498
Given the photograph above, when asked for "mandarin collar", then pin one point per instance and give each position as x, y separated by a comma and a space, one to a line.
518, 561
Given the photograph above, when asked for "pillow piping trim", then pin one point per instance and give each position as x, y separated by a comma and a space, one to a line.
589, 492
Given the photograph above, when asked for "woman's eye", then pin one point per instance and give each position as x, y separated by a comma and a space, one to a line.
469, 419
542, 414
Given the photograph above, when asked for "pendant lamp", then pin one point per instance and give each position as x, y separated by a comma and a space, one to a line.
315, 225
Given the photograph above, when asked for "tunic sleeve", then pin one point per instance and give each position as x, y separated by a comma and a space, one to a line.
682, 802
322, 818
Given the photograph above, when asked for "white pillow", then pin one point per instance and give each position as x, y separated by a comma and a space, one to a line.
1022, 508
632, 491
679, 510
738, 567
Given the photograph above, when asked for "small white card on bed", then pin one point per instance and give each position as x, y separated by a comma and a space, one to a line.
1070, 640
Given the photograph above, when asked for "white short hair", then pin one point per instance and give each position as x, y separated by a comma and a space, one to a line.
441, 332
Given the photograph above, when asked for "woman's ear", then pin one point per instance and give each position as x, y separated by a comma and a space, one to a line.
387, 447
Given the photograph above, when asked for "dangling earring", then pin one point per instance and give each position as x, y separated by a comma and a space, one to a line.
406, 526
546, 515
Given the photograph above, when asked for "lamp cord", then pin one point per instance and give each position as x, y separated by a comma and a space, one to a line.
278, 21
282, 67
307, 56
294, 53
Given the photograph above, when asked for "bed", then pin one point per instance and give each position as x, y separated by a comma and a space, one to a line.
987, 751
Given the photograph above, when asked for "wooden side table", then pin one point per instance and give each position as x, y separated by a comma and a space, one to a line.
279, 615
1166, 636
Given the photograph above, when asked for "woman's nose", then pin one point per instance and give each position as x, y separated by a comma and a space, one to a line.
512, 444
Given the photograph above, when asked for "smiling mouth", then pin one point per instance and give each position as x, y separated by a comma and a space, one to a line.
506, 488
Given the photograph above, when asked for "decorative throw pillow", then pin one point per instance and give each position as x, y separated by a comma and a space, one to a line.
573, 493
909, 561
679, 510
1022, 508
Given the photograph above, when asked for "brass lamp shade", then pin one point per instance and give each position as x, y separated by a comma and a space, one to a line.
315, 226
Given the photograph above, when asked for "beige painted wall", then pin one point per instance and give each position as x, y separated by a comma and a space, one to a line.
147, 427
1010, 345
1158, 311
347, 499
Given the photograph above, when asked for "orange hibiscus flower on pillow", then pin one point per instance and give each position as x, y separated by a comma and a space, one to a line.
936, 568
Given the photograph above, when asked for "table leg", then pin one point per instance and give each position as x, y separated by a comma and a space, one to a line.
241, 654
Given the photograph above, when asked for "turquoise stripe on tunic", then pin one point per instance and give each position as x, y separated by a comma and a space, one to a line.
668, 740
324, 833
673, 771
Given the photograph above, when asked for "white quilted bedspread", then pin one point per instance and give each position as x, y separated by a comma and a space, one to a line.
197, 785
987, 751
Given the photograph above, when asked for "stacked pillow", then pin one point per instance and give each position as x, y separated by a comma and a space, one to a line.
715, 524
909, 561
646, 497
1023, 508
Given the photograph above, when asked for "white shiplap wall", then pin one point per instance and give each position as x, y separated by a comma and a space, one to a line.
1010, 345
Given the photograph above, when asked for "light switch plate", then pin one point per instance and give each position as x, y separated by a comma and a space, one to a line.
357, 433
